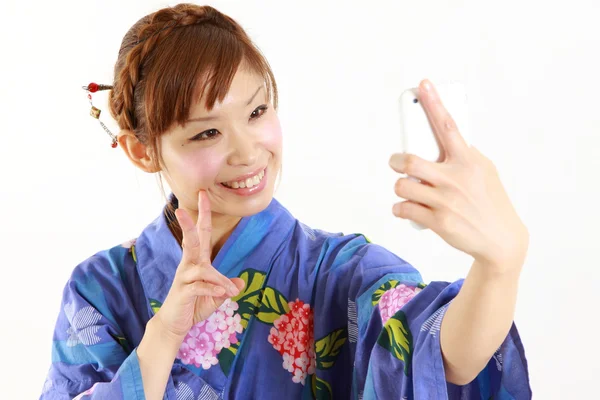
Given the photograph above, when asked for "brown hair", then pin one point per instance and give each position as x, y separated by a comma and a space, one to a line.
169, 60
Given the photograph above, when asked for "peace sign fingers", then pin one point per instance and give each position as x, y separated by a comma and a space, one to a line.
196, 245
191, 239
204, 227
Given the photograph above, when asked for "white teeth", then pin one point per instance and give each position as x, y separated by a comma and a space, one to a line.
248, 183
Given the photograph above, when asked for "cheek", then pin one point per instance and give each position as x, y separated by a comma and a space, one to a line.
271, 136
200, 168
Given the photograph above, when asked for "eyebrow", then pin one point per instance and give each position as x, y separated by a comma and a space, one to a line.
211, 118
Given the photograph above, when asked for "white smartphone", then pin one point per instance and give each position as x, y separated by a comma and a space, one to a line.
417, 136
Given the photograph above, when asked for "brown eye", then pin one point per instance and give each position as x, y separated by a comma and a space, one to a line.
259, 112
206, 135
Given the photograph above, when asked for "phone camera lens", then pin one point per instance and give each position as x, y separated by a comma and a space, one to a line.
415, 101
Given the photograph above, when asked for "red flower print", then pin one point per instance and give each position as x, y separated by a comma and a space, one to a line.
292, 336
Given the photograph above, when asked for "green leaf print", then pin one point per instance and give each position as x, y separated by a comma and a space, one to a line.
397, 339
321, 390
249, 299
328, 348
123, 342
382, 289
273, 305
156, 305
133, 253
226, 357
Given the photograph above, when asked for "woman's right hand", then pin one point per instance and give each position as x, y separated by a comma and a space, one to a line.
198, 289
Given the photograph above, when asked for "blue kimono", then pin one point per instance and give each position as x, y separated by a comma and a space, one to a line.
322, 316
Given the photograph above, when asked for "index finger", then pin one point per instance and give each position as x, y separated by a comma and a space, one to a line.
190, 241
442, 123
204, 227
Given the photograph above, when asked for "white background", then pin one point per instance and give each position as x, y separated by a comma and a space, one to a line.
531, 70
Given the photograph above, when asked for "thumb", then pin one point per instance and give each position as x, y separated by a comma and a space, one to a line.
239, 283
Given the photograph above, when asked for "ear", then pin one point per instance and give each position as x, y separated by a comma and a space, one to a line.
139, 154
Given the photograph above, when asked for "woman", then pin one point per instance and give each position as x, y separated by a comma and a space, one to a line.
227, 295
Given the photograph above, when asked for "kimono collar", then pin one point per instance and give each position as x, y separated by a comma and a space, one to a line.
158, 253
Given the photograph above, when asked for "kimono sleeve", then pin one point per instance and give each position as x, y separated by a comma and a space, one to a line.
398, 352
393, 322
91, 358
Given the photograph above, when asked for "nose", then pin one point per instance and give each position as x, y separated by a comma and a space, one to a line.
244, 151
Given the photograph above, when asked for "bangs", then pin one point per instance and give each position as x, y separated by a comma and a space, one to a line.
196, 63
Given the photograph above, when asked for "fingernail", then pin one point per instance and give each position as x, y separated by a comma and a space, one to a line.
219, 291
427, 86
396, 160
234, 290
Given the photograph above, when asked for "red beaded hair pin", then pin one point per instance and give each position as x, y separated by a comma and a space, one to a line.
95, 112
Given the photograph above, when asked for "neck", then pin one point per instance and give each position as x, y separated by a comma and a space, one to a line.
222, 227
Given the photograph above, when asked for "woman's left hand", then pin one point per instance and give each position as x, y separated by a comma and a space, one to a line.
461, 198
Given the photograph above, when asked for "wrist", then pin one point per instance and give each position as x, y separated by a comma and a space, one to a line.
157, 338
496, 272
506, 256
156, 354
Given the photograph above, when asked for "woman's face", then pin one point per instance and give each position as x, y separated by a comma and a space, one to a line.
232, 152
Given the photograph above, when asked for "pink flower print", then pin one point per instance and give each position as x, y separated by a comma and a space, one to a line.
299, 376
210, 327
229, 307
234, 324
295, 325
384, 313
394, 299
233, 338
296, 308
129, 243
288, 362
195, 331
191, 341
275, 339
302, 341
221, 341
186, 354
290, 343
302, 313
206, 339
406, 291
302, 361
282, 323
206, 360
216, 322
386, 299
204, 344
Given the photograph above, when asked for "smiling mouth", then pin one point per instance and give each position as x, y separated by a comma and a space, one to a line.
246, 183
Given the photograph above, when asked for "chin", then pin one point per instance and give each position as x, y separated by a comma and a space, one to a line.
255, 206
